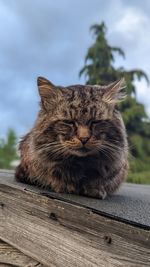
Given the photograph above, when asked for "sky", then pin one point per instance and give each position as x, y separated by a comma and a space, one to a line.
50, 38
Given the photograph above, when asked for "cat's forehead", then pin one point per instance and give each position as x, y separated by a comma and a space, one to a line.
83, 102
84, 92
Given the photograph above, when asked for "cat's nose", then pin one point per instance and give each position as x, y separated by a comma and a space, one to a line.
84, 140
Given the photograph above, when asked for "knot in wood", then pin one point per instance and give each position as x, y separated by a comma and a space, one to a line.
53, 216
108, 239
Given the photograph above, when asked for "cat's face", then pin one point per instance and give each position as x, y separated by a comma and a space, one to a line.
78, 120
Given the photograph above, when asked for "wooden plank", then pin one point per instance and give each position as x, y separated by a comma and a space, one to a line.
10, 265
131, 204
6, 265
10, 256
56, 233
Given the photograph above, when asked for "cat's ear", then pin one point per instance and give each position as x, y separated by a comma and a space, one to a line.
44, 86
49, 93
113, 93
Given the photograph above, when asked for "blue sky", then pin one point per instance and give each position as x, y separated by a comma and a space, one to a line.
50, 38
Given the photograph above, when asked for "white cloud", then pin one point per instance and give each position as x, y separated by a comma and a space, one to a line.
131, 31
143, 94
131, 24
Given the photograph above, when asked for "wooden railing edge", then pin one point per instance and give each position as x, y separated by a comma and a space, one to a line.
58, 233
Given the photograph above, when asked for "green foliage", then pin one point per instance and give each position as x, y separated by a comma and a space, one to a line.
139, 177
99, 69
8, 150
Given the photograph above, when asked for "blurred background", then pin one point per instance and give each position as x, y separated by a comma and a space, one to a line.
71, 42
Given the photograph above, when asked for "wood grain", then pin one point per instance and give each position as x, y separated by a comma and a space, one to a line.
56, 233
10, 256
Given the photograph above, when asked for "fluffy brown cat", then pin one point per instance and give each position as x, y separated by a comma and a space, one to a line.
78, 143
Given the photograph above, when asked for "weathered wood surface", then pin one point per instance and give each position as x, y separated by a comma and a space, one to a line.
130, 204
10, 256
58, 233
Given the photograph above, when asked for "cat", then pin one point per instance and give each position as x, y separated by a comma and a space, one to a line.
78, 143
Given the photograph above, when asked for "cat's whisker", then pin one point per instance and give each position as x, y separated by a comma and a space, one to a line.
112, 157
107, 153
53, 150
51, 146
104, 151
56, 153
113, 146
118, 146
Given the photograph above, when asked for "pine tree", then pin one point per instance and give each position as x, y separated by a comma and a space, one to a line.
8, 150
99, 69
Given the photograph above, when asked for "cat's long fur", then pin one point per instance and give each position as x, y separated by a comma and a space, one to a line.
78, 143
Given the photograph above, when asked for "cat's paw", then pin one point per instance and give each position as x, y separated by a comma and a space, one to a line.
71, 188
102, 194
96, 193
62, 187
21, 174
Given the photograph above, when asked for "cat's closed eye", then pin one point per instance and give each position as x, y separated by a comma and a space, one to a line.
102, 123
99, 124
100, 127
96, 121
68, 122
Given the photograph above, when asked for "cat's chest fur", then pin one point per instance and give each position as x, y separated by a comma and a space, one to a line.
78, 169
